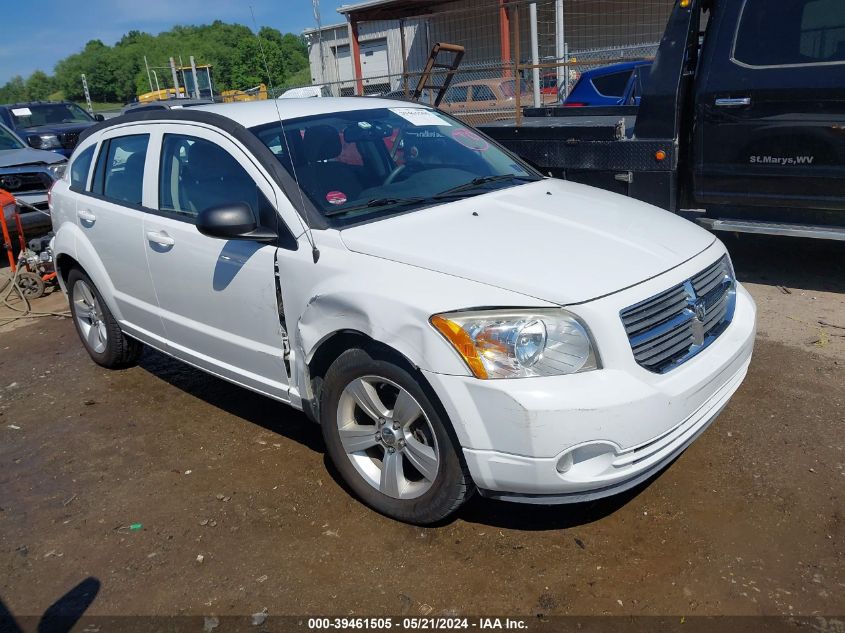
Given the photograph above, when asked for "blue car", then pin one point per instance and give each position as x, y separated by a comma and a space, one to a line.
48, 125
617, 84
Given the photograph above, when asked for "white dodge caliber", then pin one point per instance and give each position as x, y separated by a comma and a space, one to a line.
453, 320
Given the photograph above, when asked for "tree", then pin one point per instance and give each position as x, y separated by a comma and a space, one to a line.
117, 73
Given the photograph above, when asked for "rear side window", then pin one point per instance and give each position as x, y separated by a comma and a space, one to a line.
799, 32
456, 94
120, 168
482, 93
197, 174
612, 85
79, 169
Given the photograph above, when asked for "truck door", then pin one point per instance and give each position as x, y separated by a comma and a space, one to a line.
770, 111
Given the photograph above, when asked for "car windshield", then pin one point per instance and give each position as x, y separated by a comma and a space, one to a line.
361, 164
9, 140
34, 115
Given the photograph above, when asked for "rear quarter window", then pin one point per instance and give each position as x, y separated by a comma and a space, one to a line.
612, 85
80, 167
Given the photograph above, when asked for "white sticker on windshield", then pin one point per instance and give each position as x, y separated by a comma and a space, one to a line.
21, 111
420, 116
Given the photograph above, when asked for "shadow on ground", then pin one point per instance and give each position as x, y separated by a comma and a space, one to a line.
61, 616
787, 261
284, 421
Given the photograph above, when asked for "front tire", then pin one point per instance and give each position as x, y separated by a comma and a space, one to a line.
389, 442
98, 330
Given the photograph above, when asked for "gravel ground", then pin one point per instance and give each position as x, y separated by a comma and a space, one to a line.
181, 494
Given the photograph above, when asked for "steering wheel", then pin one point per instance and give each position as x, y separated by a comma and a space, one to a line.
394, 174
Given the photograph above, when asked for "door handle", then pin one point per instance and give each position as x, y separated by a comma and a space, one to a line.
85, 215
162, 239
737, 102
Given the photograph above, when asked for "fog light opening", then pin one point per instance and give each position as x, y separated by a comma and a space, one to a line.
564, 464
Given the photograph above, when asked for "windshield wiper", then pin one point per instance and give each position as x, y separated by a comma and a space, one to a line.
375, 203
477, 182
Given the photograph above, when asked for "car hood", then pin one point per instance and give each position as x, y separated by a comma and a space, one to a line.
28, 156
553, 240
55, 128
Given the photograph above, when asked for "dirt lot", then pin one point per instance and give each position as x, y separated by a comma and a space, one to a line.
181, 494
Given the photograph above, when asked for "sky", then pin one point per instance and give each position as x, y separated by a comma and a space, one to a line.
36, 35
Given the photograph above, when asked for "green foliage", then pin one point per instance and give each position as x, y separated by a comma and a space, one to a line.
117, 73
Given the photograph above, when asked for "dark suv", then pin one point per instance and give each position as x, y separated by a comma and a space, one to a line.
50, 125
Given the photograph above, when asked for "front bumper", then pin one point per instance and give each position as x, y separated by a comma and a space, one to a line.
611, 428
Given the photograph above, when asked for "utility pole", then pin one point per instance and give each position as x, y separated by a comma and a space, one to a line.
87, 95
194, 73
316, 5
149, 77
175, 78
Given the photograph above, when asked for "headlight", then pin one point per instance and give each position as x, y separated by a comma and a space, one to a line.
519, 343
57, 169
44, 141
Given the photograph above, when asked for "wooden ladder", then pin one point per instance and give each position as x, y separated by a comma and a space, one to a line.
432, 64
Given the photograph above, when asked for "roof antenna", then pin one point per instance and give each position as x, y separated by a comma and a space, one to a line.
315, 252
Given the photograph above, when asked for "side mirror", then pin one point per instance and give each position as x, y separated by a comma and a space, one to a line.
99, 117
232, 222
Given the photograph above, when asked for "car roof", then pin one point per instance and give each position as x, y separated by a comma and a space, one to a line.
615, 68
252, 113
486, 82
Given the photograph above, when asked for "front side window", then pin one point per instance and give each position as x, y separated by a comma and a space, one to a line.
800, 32
410, 157
80, 167
34, 115
509, 88
120, 168
196, 174
612, 85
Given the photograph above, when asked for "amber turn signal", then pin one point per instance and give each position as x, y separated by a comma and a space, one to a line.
461, 341
660, 155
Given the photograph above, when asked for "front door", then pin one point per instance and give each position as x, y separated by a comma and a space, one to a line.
218, 298
770, 117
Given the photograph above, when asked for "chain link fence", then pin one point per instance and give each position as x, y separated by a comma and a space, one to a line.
508, 51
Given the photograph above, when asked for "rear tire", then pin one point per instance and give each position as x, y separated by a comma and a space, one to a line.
389, 442
97, 328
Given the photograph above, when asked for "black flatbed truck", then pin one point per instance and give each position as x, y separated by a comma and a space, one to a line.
741, 126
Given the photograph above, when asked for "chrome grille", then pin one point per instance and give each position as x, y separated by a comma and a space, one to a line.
668, 329
69, 139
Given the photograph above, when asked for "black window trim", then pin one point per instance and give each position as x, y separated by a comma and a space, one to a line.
742, 64
257, 151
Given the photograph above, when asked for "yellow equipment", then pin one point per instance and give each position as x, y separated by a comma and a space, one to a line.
259, 93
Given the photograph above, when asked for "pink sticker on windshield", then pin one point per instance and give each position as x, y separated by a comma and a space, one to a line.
336, 197
470, 139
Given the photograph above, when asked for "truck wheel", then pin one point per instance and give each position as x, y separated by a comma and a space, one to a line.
389, 443
97, 328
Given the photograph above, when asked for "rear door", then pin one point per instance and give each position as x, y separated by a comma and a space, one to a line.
110, 215
218, 298
770, 113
